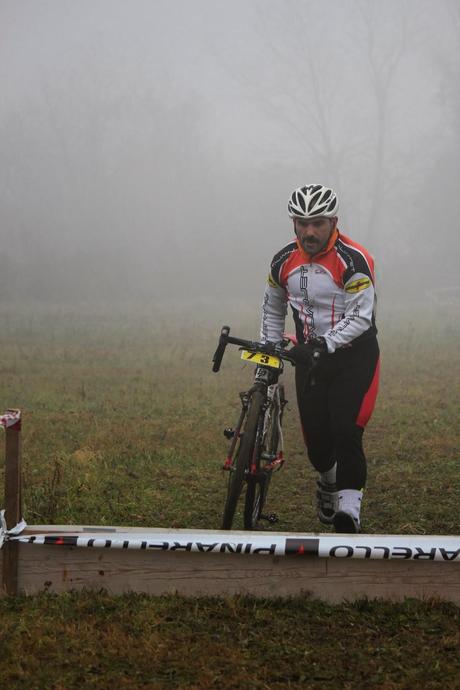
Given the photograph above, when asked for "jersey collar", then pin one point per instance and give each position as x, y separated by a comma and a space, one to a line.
332, 240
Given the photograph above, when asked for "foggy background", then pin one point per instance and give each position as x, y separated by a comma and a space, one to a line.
148, 148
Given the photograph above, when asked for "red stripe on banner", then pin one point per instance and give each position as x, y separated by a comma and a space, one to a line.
368, 403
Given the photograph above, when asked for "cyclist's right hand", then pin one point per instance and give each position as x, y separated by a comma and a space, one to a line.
307, 353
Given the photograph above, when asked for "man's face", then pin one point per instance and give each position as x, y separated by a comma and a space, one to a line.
314, 233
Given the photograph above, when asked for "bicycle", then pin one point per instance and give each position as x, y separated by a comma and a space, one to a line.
256, 443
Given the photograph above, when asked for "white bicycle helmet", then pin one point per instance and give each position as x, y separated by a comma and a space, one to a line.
312, 201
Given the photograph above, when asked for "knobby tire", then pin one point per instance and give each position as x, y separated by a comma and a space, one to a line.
257, 490
256, 494
243, 458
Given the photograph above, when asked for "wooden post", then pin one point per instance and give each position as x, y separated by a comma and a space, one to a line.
13, 502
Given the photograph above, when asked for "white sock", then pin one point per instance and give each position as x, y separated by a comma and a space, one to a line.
349, 500
329, 477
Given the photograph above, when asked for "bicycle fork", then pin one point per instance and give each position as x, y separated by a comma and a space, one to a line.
234, 434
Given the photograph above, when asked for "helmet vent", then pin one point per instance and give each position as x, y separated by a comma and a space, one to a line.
314, 200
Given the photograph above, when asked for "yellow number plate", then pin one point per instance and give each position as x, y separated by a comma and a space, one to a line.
261, 358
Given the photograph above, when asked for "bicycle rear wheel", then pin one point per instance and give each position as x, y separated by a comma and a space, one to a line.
258, 484
256, 495
243, 458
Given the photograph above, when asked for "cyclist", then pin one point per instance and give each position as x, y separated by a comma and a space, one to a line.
328, 281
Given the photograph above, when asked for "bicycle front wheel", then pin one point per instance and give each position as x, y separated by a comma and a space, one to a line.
256, 494
258, 484
243, 458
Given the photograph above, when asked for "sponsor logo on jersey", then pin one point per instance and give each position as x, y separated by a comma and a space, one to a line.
358, 285
308, 314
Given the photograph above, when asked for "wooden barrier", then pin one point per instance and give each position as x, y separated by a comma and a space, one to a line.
205, 562
167, 564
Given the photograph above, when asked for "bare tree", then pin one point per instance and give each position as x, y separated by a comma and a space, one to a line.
336, 104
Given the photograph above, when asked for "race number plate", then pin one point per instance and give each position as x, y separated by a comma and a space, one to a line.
261, 358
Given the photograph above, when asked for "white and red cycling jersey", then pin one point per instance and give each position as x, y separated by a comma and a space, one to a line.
332, 294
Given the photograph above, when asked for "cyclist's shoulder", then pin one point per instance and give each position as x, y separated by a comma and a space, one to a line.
356, 257
285, 253
281, 261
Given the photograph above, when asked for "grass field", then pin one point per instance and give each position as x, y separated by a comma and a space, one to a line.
123, 424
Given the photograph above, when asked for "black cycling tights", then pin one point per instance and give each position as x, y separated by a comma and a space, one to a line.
335, 403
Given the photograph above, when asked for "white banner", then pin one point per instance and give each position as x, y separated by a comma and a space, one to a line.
5, 533
10, 418
379, 547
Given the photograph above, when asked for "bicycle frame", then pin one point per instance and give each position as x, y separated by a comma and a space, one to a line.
262, 452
